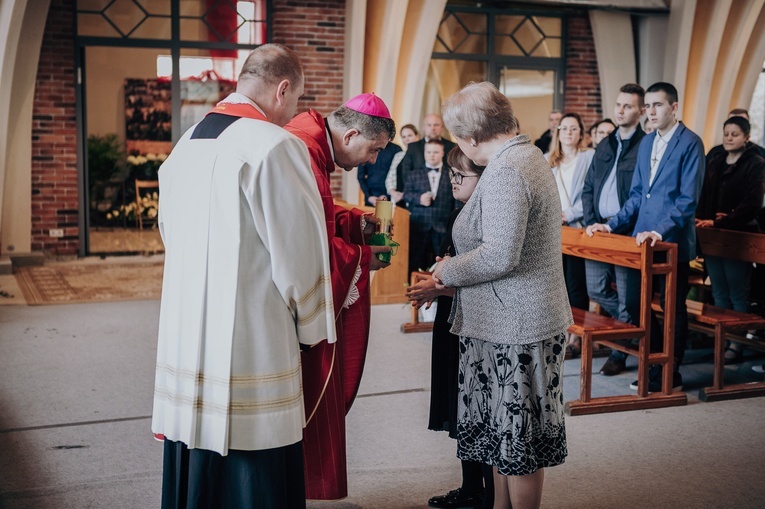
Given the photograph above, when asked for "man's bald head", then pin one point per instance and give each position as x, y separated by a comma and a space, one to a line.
269, 64
272, 76
432, 125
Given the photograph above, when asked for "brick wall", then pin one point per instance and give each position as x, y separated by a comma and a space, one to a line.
582, 94
316, 32
54, 137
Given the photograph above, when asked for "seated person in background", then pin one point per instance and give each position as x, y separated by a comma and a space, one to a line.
428, 196
731, 198
393, 184
372, 176
602, 130
444, 366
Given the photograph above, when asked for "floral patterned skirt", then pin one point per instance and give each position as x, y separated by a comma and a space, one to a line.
510, 410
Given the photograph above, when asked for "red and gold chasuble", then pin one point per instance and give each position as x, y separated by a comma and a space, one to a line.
332, 372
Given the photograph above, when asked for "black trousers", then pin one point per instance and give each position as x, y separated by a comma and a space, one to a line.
576, 282
200, 479
423, 248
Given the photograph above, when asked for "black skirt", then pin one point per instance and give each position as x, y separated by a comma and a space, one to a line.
443, 372
200, 479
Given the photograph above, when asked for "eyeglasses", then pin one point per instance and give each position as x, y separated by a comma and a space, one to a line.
457, 177
564, 128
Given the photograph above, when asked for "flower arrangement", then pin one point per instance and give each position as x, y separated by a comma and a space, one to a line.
145, 167
147, 207
129, 207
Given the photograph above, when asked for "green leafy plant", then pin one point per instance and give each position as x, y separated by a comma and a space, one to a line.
105, 157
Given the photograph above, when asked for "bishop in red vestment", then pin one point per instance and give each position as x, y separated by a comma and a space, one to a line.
353, 134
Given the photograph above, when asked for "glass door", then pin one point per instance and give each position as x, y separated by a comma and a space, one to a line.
148, 71
533, 94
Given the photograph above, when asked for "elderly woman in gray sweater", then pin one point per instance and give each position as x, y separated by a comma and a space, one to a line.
510, 310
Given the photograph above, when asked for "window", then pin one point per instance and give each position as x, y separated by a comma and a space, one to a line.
520, 51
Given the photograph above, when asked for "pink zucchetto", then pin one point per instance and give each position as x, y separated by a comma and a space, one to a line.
368, 104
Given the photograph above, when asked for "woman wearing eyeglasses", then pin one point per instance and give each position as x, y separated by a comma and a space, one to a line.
510, 309
570, 159
477, 487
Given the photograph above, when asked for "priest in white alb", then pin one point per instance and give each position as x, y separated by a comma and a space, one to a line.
246, 283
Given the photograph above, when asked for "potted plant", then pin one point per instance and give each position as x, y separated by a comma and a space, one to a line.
105, 156
105, 162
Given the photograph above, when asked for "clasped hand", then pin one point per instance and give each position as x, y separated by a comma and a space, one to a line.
438, 271
422, 292
710, 223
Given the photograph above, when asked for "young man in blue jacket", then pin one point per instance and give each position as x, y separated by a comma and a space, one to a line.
662, 207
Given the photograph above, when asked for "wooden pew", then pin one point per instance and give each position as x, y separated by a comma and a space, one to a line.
623, 251
719, 322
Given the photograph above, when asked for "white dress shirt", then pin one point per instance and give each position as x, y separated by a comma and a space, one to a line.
434, 176
659, 147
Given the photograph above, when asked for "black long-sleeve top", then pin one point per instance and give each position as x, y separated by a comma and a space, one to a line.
733, 189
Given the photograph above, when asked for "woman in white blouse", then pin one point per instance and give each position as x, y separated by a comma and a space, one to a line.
569, 160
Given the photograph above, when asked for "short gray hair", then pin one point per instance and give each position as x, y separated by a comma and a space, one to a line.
368, 126
479, 112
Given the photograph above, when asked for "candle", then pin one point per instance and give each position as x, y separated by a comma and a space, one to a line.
384, 215
384, 210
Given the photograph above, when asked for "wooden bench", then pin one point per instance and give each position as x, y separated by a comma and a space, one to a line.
623, 251
719, 322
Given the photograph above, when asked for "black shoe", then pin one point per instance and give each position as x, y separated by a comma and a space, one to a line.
732, 356
454, 499
572, 351
654, 380
613, 367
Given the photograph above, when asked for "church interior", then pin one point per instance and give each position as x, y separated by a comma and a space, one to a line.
94, 95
